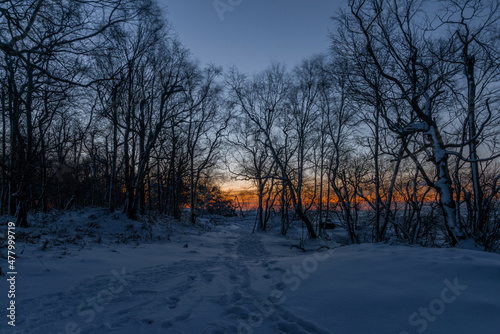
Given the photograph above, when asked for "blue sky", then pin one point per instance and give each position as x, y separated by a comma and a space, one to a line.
255, 32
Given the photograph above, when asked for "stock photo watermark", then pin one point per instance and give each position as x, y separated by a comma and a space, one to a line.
11, 273
223, 6
88, 309
436, 307
292, 279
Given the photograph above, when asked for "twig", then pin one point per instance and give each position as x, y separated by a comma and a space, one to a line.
39, 259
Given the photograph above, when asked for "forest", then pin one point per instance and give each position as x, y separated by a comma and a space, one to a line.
393, 133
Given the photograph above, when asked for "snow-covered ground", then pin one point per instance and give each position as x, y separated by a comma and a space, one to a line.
217, 277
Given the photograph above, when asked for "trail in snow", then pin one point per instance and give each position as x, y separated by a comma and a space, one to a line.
226, 281
213, 294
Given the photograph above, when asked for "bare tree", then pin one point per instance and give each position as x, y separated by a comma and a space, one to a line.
205, 127
44, 43
471, 26
262, 101
390, 29
252, 161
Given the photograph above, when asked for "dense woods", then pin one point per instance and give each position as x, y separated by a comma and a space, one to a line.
393, 133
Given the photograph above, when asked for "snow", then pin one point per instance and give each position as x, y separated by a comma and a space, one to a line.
217, 277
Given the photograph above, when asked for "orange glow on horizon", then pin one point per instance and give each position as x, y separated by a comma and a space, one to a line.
245, 192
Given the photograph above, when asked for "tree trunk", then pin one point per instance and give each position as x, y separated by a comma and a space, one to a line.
377, 173
477, 214
444, 188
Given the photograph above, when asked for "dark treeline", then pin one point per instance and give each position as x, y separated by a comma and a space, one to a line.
394, 132
101, 105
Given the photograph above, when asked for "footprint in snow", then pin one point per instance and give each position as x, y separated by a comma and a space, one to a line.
172, 302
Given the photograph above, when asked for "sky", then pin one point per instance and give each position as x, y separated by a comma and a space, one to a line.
250, 34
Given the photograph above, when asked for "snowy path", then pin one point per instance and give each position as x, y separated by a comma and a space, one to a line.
232, 281
212, 294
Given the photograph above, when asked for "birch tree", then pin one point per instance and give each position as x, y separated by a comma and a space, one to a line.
393, 30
